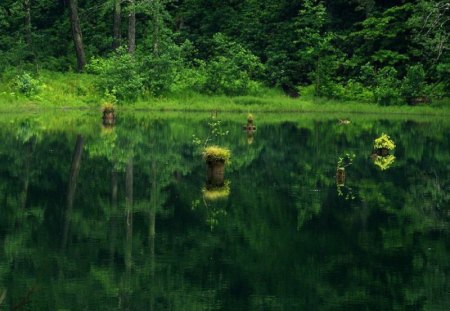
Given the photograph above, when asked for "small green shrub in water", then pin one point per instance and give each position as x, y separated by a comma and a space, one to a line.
384, 141
345, 161
384, 162
25, 84
108, 107
216, 193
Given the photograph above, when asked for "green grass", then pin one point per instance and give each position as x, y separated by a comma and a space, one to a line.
77, 91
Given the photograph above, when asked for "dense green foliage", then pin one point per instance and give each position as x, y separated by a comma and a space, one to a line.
381, 51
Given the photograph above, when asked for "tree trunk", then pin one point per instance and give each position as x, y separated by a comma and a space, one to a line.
318, 73
28, 38
129, 212
152, 214
113, 223
116, 26
132, 28
129, 234
156, 24
71, 189
76, 34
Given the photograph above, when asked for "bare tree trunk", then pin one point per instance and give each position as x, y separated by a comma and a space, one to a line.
156, 21
318, 73
113, 223
28, 38
116, 26
129, 232
76, 34
132, 28
152, 214
71, 189
26, 182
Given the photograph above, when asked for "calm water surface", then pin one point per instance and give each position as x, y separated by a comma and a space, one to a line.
96, 218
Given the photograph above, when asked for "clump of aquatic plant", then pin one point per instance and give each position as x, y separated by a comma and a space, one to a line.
108, 107
216, 193
384, 162
342, 189
215, 132
384, 141
216, 154
345, 161
345, 192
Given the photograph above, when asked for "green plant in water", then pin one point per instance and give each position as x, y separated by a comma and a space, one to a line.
345, 161
384, 141
108, 107
215, 132
342, 189
216, 153
216, 193
384, 162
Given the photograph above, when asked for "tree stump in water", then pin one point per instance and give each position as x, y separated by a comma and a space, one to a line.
382, 152
340, 176
215, 172
109, 117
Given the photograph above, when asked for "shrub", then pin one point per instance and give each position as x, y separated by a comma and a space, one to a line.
354, 90
387, 89
413, 83
443, 72
232, 70
119, 75
27, 85
163, 71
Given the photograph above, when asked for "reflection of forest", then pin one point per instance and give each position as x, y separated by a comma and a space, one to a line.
286, 240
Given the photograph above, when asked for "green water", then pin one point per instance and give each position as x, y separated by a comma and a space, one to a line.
112, 219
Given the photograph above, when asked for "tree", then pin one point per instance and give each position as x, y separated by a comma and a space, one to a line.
76, 34
117, 15
131, 27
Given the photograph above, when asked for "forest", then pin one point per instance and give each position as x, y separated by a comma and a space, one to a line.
225, 155
369, 51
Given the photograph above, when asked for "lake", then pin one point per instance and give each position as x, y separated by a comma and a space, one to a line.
119, 217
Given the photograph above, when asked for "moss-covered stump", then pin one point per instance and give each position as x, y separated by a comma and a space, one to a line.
109, 116
215, 158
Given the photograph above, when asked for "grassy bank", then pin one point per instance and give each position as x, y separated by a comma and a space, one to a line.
77, 91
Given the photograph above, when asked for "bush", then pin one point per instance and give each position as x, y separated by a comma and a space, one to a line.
387, 89
353, 90
163, 71
120, 75
443, 72
25, 84
413, 83
232, 70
